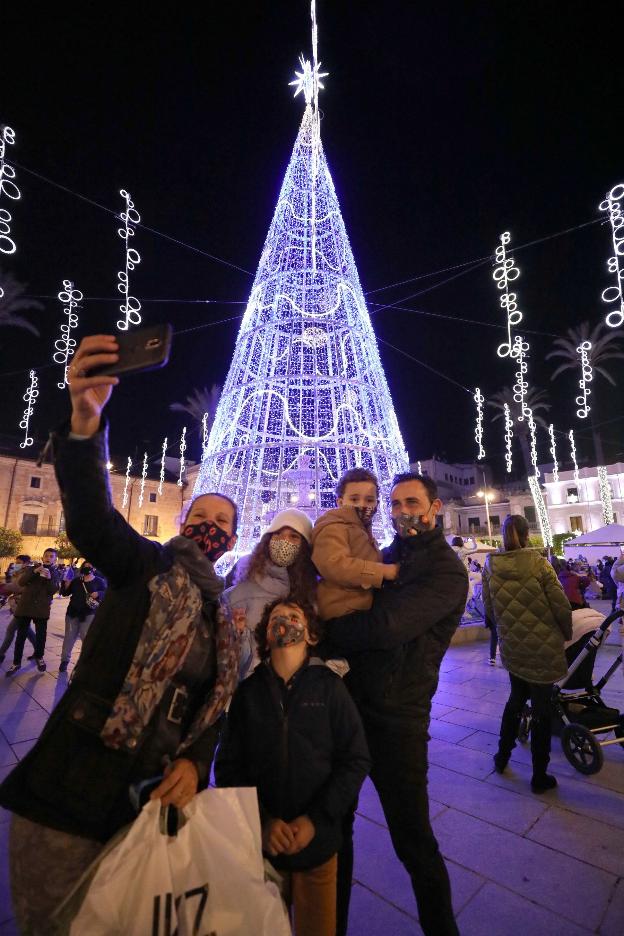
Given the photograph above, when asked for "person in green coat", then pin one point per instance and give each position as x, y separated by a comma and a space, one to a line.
533, 618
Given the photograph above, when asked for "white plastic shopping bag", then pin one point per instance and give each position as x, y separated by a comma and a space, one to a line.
208, 880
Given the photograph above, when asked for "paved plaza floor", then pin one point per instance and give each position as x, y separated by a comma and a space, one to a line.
520, 864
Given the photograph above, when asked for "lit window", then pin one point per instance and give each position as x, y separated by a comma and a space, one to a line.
150, 525
576, 524
572, 495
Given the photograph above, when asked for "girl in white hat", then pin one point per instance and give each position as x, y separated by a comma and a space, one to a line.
279, 566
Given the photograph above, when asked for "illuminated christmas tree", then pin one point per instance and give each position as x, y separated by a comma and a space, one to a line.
306, 397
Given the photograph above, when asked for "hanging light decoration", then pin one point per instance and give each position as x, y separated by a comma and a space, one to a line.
30, 398
573, 457
553, 452
182, 451
587, 375
205, 434
124, 501
613, 294
541, 511
479, 400
505, 272
419, 468
508, 438
65, 346
606, 498
8, 189
162, 467
130, 309
143, 477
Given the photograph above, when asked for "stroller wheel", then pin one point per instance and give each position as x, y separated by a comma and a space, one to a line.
524, 728
581, 749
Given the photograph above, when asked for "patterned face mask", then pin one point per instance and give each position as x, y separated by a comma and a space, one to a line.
407, 525
285, 630
213, 541
282, 552
366, 514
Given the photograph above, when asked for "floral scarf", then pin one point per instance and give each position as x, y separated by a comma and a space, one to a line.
179, 597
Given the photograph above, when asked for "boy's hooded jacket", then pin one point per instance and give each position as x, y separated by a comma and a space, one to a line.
348, 561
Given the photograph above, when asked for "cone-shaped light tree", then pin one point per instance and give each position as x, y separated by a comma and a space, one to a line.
306, 396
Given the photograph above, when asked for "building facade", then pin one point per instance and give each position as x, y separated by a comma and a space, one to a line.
577, 507
30, 501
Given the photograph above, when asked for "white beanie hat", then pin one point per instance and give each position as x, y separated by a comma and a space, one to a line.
293, 518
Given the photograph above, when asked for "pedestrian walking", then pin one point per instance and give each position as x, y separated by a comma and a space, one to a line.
85, 592
533, 618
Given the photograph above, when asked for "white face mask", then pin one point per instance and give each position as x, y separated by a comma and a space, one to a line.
282, 552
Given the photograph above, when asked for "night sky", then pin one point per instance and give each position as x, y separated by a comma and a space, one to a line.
443, 125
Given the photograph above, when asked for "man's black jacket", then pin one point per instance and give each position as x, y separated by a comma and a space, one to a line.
302, 747
395, 649
70, 780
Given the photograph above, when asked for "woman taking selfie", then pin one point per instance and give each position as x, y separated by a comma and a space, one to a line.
157, 669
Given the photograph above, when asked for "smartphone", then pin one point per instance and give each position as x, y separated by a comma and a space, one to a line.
143, 349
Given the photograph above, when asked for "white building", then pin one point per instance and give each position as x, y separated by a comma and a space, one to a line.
577, 508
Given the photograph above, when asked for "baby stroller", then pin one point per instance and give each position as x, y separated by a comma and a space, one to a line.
579, 714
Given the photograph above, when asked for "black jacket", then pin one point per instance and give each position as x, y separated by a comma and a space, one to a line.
304, 749
77, 590
395, 649
70, 780
36, 593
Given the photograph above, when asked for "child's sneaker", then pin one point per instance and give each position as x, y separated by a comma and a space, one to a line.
13, 668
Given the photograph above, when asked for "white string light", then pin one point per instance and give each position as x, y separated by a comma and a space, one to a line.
574, 461
587, 372
533, 436
479, 400
606, 498
419, 468
508, 438
162, 467
182, 451
553, 452
521, 386
9, 189
542, 513
30, 398
143, 477
205, 434
126, 485
505, 273
612, 204
66, 345
131, 307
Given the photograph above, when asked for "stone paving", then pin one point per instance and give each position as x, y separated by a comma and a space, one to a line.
520, 864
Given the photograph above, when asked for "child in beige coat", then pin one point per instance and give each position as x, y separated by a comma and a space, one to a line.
344, 550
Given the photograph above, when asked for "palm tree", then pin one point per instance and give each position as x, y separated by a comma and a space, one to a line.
199, 402
12, 301
536, 401
604, 347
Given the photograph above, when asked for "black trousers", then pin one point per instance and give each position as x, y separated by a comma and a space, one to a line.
541, 727
491, 626
399, 774
41, 631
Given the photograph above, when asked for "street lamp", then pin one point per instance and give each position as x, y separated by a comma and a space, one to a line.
487, 496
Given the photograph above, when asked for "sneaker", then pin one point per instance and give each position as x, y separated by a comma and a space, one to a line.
543, 782
63, 666
41, 666
500, 762
13, 668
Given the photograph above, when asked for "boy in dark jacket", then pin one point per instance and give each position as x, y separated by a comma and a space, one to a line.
295, 734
